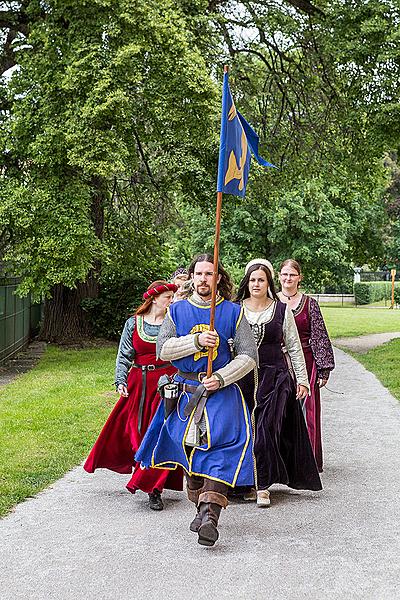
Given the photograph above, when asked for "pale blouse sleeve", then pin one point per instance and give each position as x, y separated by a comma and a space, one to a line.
293, 346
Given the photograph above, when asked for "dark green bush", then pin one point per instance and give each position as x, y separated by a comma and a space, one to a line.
118, 298
367, 292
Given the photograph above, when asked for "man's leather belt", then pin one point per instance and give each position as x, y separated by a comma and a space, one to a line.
197, 403
193, 376
199, 394
144, 369
186, 387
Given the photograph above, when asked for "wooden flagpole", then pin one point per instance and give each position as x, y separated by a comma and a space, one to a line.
393, 274
215, 278
215, 273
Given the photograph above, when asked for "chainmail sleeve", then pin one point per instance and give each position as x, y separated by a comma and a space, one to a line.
244, 342
246, 355
167, 331
126, 353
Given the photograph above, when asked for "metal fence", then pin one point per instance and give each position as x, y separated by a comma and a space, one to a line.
18, 319
379, 275
334, 299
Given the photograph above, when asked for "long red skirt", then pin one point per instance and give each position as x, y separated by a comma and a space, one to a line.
312, 409
119, 439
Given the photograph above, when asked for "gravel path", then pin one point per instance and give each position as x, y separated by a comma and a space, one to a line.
87, 538
364, 343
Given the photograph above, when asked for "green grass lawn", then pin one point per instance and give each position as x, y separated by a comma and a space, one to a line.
381, 303
351, 321
336, 305
50, 417
378, 304
384, 362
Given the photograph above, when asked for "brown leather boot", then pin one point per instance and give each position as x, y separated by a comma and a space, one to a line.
210, 504
195, 524
193, 496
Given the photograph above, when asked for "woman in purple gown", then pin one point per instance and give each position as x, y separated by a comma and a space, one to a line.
282, 449
317, 348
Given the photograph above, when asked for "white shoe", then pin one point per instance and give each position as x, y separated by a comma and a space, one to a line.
263, 498
250, 496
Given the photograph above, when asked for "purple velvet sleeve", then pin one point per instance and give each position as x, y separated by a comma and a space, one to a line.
320, 343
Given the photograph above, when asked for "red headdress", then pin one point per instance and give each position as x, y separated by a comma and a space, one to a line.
159, 289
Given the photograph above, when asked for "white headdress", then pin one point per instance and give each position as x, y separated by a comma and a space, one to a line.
260, 261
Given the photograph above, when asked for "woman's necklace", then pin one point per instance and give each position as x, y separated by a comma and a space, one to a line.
289, 297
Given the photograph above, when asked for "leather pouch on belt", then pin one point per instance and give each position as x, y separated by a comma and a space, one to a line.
169, 392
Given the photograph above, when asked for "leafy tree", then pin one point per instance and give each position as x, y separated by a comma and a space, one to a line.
109, 140
318, 81
392, 202
103, 124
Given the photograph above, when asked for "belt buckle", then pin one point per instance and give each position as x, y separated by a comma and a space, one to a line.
151, 367
201, 375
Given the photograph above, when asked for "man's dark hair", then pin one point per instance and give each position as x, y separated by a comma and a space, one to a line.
225, 286
243, 291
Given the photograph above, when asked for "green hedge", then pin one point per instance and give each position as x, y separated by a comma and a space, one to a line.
367, 292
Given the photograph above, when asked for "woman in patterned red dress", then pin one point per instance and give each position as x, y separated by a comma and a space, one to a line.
137, 374
317, 348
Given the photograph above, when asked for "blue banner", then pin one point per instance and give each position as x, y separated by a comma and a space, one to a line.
238, 141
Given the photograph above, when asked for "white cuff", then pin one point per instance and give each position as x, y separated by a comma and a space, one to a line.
236, 369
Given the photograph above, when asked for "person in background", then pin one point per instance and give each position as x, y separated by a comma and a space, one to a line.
317, 348
282, 449
179, 277
136, 376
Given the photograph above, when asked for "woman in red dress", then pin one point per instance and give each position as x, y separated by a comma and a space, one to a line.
137, 373
316, 344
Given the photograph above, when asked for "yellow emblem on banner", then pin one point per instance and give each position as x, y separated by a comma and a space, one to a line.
234, 171
199, 329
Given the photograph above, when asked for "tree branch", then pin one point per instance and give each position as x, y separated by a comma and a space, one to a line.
7, 57
146, 164
18, 21
303, 6
306, 7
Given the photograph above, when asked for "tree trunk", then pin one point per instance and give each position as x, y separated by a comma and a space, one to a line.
64, 320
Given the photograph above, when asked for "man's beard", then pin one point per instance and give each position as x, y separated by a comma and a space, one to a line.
204, 290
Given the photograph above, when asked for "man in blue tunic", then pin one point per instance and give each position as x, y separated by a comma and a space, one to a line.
211, 441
